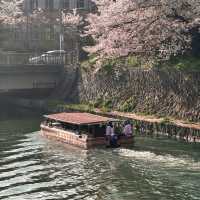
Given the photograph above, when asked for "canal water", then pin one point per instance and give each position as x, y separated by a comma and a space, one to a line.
32, 167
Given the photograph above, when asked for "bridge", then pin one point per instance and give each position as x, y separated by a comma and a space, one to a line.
28, 79
33, 75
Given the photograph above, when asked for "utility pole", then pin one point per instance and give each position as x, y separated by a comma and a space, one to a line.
61, 36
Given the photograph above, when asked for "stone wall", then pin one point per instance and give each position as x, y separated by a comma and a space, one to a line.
162, 92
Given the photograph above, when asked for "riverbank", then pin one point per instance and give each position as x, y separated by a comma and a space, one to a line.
161, 92
146, 124
149, 124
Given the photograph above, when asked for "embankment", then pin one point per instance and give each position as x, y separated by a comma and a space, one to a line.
170, 93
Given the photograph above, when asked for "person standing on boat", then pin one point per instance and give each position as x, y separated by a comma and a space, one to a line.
111, 137
109, 132
128, 129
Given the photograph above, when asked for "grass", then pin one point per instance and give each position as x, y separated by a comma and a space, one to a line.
108, 64
104, 106
182, 63
128, 106
58, 105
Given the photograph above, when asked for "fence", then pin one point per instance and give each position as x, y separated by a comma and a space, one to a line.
53, 57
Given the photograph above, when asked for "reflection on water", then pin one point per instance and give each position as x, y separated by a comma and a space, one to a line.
32, 167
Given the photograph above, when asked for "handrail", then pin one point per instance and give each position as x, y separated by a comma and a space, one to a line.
38, 58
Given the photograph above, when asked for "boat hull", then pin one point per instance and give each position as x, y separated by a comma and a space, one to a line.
83, 141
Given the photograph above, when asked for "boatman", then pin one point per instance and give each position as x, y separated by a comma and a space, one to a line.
109, 132
111, 137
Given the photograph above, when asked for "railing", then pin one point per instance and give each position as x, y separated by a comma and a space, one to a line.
10, 58
14, 58
37, 85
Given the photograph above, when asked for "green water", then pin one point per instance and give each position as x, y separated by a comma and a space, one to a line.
32, 167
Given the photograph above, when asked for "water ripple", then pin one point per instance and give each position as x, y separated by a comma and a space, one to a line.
36, 168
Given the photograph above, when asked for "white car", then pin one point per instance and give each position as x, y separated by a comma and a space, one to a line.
50, 57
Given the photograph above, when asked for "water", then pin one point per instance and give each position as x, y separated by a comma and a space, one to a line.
32, 167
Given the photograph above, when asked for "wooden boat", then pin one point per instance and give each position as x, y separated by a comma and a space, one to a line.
83, 130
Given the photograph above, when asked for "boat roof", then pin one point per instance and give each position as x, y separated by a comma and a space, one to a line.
80, 118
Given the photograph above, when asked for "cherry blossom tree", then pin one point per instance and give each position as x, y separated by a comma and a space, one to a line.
10, 11
72, 19
142, 27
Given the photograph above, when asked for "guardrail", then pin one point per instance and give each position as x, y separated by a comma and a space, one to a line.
10, 58
40, 85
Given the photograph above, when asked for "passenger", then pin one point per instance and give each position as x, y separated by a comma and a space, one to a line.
128, 130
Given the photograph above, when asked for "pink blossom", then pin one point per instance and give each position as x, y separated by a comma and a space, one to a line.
125, 27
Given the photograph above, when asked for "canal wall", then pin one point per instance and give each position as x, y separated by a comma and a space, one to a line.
170, 93
164, 93
29, 77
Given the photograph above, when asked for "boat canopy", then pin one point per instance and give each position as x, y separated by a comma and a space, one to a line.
80, 118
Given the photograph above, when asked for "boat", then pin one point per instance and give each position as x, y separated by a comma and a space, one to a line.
84, 130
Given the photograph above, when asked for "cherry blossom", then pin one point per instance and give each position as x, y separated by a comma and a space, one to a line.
10, 11
158, 28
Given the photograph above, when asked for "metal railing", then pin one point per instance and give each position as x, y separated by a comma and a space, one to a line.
13, 58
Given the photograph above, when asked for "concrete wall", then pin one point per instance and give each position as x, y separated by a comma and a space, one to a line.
23, 77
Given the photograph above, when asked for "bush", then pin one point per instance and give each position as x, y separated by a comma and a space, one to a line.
98, 103
108, 104
128, 106
186, 63
89, 63
104, 109
104, 105
79, 107
132, 61
108, 65
92, 59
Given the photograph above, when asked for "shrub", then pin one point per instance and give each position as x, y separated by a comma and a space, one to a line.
132, 61
108, 65
128, 106
98, 103
186, 63
108, 104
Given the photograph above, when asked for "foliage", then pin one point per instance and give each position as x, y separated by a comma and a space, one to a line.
105, 105
105, 109
133, 61
89, 63
158, 28
61, 105
165, 121
98, 103
109, 64
128, 105
78, 107
183, 63
108, 104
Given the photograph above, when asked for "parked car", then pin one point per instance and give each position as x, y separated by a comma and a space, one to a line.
50, 57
